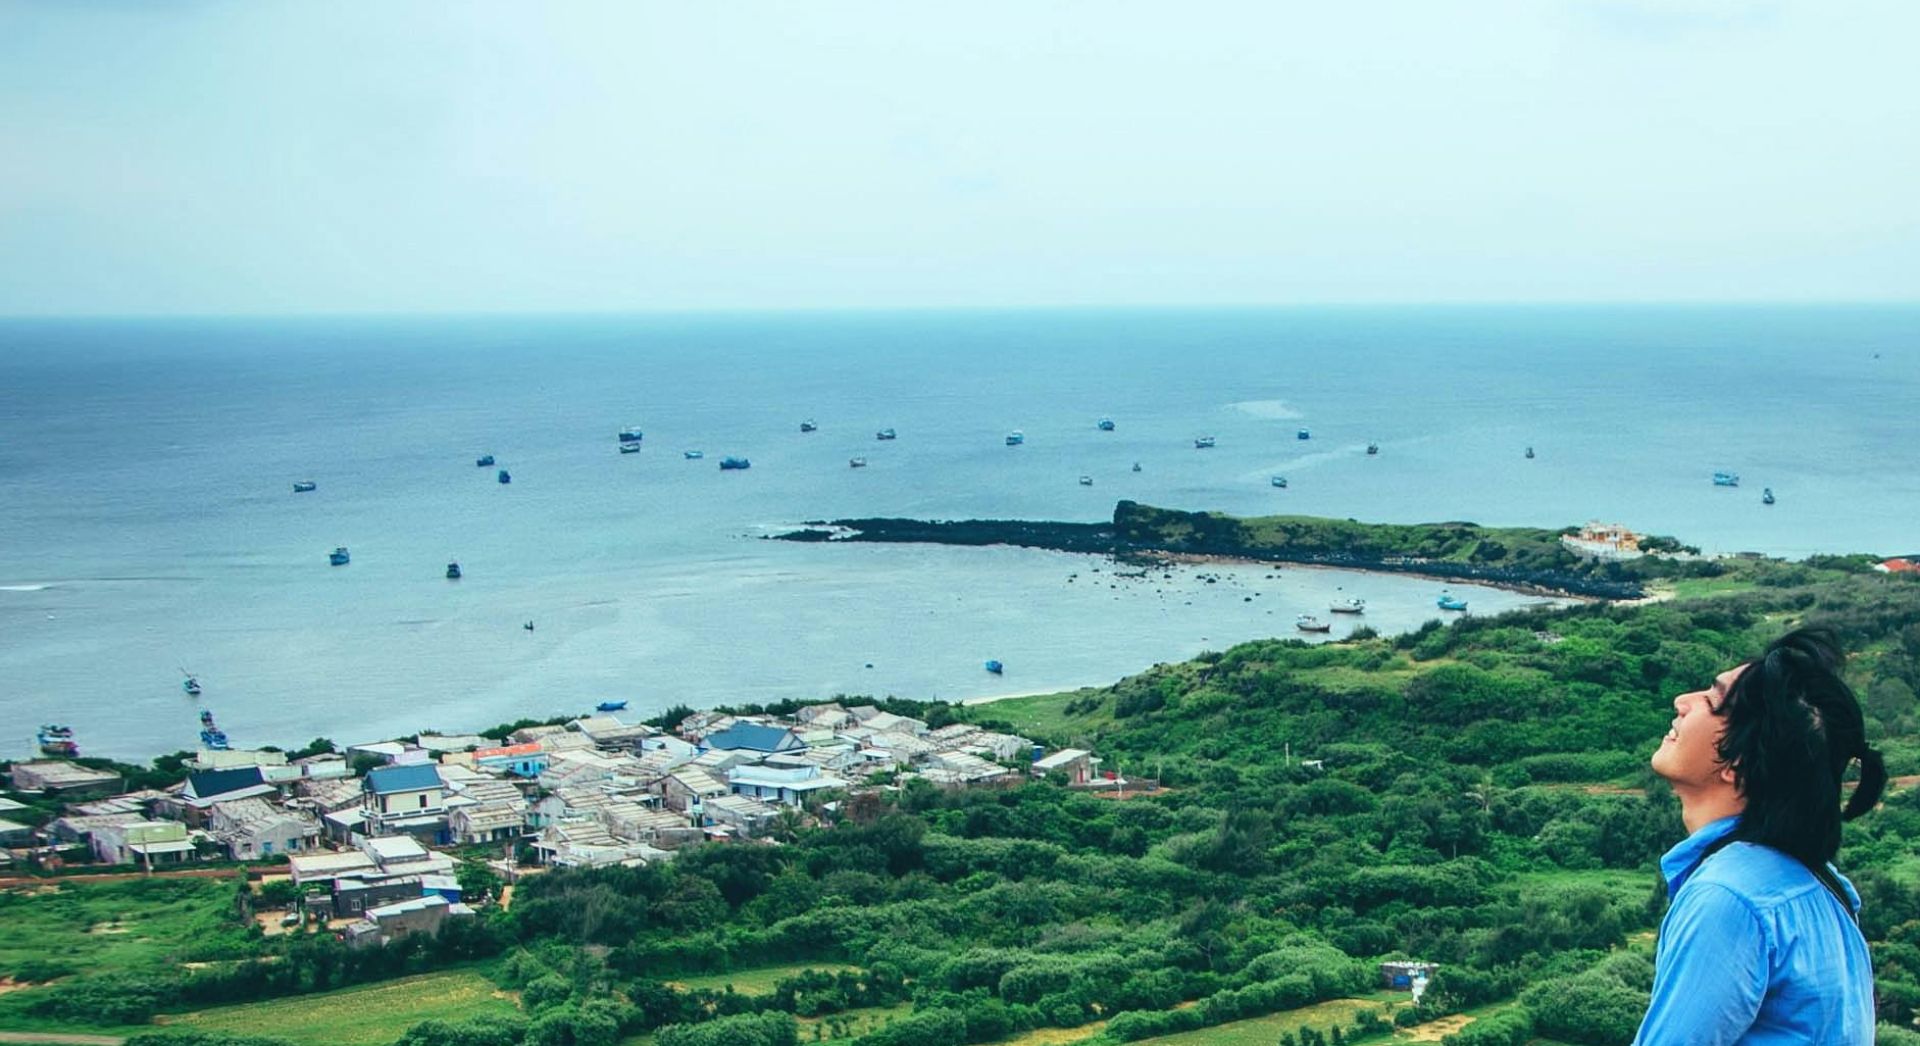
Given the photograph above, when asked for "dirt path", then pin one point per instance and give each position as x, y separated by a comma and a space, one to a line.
55, 1037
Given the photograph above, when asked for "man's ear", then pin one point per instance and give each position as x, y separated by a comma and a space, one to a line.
1728, 776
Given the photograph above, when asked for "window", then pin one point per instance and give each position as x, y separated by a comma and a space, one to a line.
423, 800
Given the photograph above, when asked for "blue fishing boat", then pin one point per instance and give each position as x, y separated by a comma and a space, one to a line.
995, 667
1106, 425
885, 434
693, 455
1447, 602
856, 463
505, 476
809, 426
730, 464
1529, 453
610, 706
1373, 448
1086, 481
1726, 479
1766, 496
630, 434
1280, 481
57, 740
629, 448
484, 461
211, 736
1303, 434
1203, 443
190, 684
453, 571
1015, 438
303, 485
338, 557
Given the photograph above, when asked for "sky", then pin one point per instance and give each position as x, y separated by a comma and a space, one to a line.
188, 157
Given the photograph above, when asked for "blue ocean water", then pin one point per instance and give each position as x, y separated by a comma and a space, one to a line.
148, 522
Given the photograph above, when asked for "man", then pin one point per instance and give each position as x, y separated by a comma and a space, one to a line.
1760, 944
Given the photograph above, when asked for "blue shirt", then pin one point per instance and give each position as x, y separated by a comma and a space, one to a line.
1755, 950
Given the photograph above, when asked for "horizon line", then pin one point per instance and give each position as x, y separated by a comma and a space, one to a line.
745, 310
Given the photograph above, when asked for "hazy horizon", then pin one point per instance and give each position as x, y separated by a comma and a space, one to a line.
215, 159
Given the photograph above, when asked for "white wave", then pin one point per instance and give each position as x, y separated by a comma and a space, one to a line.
24, 588
1272, 410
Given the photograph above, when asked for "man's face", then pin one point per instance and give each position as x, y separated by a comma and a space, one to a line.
1689, 755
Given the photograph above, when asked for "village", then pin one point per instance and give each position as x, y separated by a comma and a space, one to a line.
370, 837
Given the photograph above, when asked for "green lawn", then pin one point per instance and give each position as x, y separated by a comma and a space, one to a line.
368, 1015
1264, 1031
855, 1022
1043, 716
100, 927
757, 981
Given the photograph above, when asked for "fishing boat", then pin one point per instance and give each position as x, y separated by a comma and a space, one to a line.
190, 684
631, 434
1203, 443
1529, 452
302, 486
504, 476
1136, 466
629, 448
693, 455
1766, 496
1447, 602
1015, 438
57, 740
1280, 481
1309, 623
1349, 606
1303, 434
885, 434
809, 426
211, 736
730, 464
453, 571
1086, 481
484, 461
610, 706
528, 626
1726, 479
1373, 448
338, 557
995, 667
856, 463
1106, 425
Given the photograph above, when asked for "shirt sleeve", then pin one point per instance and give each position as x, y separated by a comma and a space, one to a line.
1710, 974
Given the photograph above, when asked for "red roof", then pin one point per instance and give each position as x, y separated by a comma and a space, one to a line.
1902, 566
530, 748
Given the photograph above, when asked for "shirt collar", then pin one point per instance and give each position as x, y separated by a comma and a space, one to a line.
1685, 857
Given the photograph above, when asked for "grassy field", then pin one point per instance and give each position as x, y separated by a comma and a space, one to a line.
1264, 1031
369, 1015
100, 927
758, 981
1041, 715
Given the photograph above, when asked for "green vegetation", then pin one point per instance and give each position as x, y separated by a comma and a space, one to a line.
1473, 794
368, 1015
119, 926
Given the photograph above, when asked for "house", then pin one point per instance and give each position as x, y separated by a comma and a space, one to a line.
207, 787
963, 768
486, 811
438, 743
588, 844
13, 833
146, 843
325, 867
391, 922
988, 744
791, 785
529, 734
753, 737
1899, 565
887, 722
353, 897
526, 759
687, 786
750, 817
607, 732
1076, 764
253, 829
64, 778
236, 759
404, 791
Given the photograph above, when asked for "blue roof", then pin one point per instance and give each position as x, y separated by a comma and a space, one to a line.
754, 737
208, 783
388, 779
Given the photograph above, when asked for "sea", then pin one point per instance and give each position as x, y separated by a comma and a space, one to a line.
148, 525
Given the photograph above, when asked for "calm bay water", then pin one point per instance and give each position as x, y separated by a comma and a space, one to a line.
148, 521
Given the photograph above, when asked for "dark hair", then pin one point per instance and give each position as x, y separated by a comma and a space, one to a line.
1793, 726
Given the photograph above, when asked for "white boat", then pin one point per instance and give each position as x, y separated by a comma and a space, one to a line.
1309, 623
1086, 481
856, 463
1349, 606
1203, 443
1015, 438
